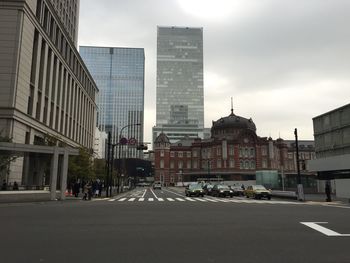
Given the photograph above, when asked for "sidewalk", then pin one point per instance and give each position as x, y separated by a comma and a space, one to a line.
321, 198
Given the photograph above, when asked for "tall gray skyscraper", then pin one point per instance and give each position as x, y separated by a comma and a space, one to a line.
180, 106
119, 75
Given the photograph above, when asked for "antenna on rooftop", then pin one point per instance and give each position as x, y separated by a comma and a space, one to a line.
231, 105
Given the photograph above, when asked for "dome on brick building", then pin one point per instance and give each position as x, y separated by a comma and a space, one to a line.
231, 126
162, 138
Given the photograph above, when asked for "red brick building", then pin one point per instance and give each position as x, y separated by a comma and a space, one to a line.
234, 152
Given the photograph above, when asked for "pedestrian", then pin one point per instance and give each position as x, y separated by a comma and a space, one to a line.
15, 186
4, 185
100, 186
76, 189
328, 191
86, 191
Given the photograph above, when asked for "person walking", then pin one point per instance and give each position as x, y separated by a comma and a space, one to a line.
328, 191
4, 185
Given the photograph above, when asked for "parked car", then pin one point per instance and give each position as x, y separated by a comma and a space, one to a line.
207, 188
221, 190
194, 189
237, 190
157, 185
257, 192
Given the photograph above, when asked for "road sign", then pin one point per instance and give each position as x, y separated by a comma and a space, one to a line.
132, 141
123, 140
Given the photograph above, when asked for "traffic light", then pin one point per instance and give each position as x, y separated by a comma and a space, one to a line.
142, 147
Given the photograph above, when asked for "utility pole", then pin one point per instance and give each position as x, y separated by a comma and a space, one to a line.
107, 162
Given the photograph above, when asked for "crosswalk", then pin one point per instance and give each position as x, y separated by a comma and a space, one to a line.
195, 199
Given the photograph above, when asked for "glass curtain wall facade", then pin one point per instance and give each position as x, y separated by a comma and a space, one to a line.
180, 106
119, 75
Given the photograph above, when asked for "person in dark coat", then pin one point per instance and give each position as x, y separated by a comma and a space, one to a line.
4, 185
76, 189
328, 192
15, 186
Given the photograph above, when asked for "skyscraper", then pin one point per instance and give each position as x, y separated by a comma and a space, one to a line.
180, 106
119, 75
46, 89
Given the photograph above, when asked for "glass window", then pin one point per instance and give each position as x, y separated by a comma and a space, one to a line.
231, 150
172, 154
188, 154
172, 164
232, 163
194, 153
218, 163
188, 164
180, 164
161, 163
161, 153
180, 154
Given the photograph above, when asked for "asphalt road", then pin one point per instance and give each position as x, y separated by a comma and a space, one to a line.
150, 230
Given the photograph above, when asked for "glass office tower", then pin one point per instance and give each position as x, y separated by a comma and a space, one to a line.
180, 107
119, 75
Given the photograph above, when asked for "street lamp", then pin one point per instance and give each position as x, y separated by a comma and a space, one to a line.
300, 186
122, 141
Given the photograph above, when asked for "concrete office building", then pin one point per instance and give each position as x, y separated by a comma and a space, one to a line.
119, 75
332, 146
47, 93
100, 144
180, 104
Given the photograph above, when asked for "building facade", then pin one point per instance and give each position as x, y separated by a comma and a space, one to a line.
100, 144
119, 75
180, 104
47, 93
233, 153
332, 146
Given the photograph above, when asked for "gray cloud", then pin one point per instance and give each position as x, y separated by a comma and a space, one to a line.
300, 48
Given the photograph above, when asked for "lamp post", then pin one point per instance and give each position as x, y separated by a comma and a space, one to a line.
300, 186
122, 141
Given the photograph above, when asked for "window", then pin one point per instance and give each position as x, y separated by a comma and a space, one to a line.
264, 163
194, 153
161, 164
180, 164
252, 152
189, 164
241, 165
218, 151
246, 154
188, 154
180, 154
246, 165
218, 163
171, 164
195, 164
263, 150
232, 163
252, 165
172, 154
231, 150
161, 153
240, 152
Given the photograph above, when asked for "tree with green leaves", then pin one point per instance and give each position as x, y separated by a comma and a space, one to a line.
81, 166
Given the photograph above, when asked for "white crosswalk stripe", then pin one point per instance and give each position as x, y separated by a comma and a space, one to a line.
199, 199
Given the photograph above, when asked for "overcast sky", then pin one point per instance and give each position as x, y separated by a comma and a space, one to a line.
283, 61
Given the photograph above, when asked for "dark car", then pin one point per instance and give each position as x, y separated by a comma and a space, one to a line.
207, 189
221, 190
194, 189
237, 190
257, 192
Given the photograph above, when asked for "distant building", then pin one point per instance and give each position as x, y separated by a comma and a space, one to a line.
233, 153
119, 75
180, 103
100, 144
332, 146
47, 93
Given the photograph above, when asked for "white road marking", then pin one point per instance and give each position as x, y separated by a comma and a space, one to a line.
190, 199
160, 199
324, 230
142, 199
179, 199
111, 200
121, 199
174, 193
144, 193
200, 199
154, 194
150, 199
131, 199
170, 199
